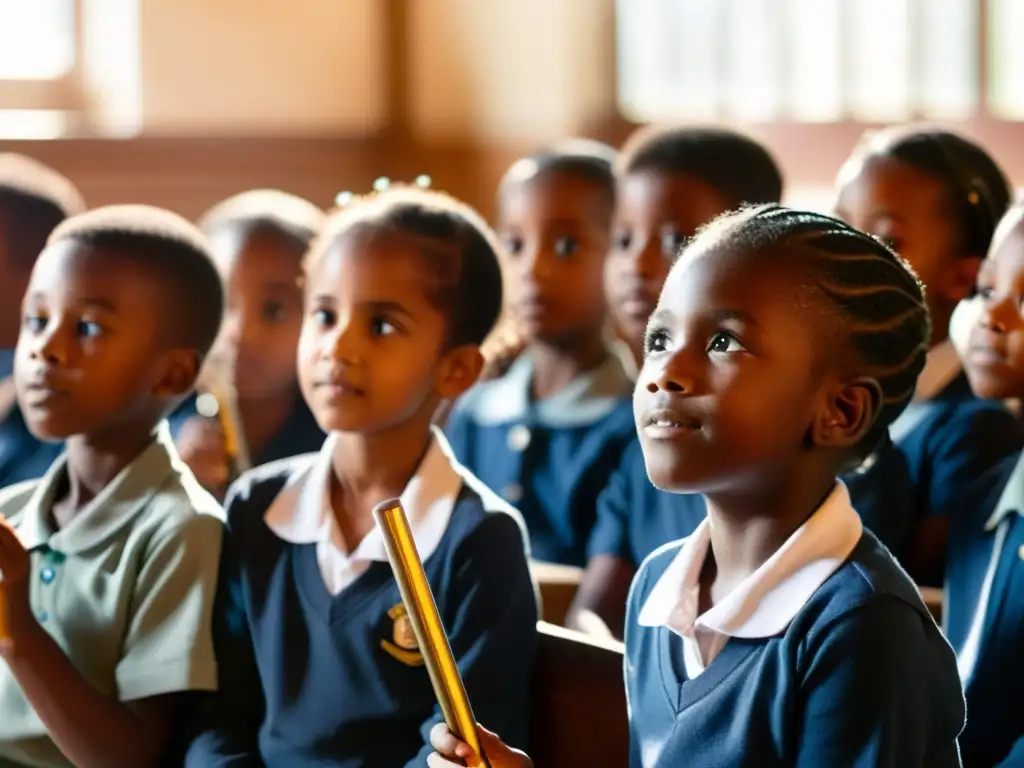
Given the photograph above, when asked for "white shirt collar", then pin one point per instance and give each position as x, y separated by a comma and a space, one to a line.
764, 603
941, 366
1012, 498
301, 513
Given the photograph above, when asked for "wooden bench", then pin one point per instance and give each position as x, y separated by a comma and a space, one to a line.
558, 585
578, 702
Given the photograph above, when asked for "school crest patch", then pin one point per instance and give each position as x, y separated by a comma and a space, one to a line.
402, 644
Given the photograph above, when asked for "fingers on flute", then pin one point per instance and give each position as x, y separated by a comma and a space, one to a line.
445, 742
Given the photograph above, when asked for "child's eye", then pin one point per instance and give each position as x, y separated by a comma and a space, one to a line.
325, 318
985, 293
272, 311
656, 341
671, 243
622, 241
513, 245
381, 326
724, 343
89, 329
566, 246
35, 323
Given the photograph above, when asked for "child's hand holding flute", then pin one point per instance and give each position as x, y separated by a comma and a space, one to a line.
451, 751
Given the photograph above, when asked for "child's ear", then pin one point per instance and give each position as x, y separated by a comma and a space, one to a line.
460, 368
849, 413
178, 375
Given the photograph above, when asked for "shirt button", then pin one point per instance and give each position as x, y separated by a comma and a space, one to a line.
47, 575
518, 438
512, 492
42, 616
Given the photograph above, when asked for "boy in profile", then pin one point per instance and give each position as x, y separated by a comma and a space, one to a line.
108, 562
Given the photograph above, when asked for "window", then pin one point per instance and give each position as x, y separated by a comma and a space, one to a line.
812, 60
38, 67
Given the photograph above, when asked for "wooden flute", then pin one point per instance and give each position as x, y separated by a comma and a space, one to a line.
427, 626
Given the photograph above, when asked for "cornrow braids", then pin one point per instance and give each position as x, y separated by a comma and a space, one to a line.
877, 295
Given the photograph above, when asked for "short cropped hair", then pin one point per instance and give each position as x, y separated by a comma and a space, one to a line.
176, 252
457, 246
978, 190
584, 159
739, 168
876, 295
281, 214
34, 199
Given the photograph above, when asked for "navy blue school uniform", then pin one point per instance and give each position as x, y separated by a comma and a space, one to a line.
950, 437
22, 456
300, 433
317, 660
825, 656
549, 458
634, 518
984, 613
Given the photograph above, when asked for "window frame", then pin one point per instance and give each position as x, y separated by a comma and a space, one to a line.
63, 94
819, 148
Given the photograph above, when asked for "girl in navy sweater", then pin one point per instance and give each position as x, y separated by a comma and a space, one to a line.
780, 632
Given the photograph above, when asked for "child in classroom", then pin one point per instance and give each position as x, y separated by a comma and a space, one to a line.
984, 596
34, 199
670, 182
546, 434
318, 660
258, 238
108, 563
781, 632
935, 198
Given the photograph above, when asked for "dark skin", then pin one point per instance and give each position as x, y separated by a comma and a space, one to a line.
994, 360
655, 214
256, 347
555, 229
749, 403
88, 372
912, 211
16, 268
745, 401
374, 366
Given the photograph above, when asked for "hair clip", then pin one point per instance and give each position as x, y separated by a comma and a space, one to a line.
381, 184
343, 198
423, 181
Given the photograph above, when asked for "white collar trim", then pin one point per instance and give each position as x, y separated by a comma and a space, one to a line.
764, 603
301, 512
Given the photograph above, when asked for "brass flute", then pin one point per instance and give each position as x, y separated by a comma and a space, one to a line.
217, 400
427, 626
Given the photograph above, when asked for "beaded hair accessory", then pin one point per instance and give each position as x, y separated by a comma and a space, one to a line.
381, 184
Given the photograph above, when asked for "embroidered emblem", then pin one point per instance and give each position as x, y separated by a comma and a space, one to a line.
402, 645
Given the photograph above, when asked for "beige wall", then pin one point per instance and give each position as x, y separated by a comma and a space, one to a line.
238, 67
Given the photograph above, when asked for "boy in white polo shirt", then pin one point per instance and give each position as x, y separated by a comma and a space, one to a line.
109, 561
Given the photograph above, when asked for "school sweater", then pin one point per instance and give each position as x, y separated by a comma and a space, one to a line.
308, 679
984, 613
634, 518
860, 677
549, 458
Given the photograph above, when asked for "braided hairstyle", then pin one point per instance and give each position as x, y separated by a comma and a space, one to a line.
874, 294
979, 193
